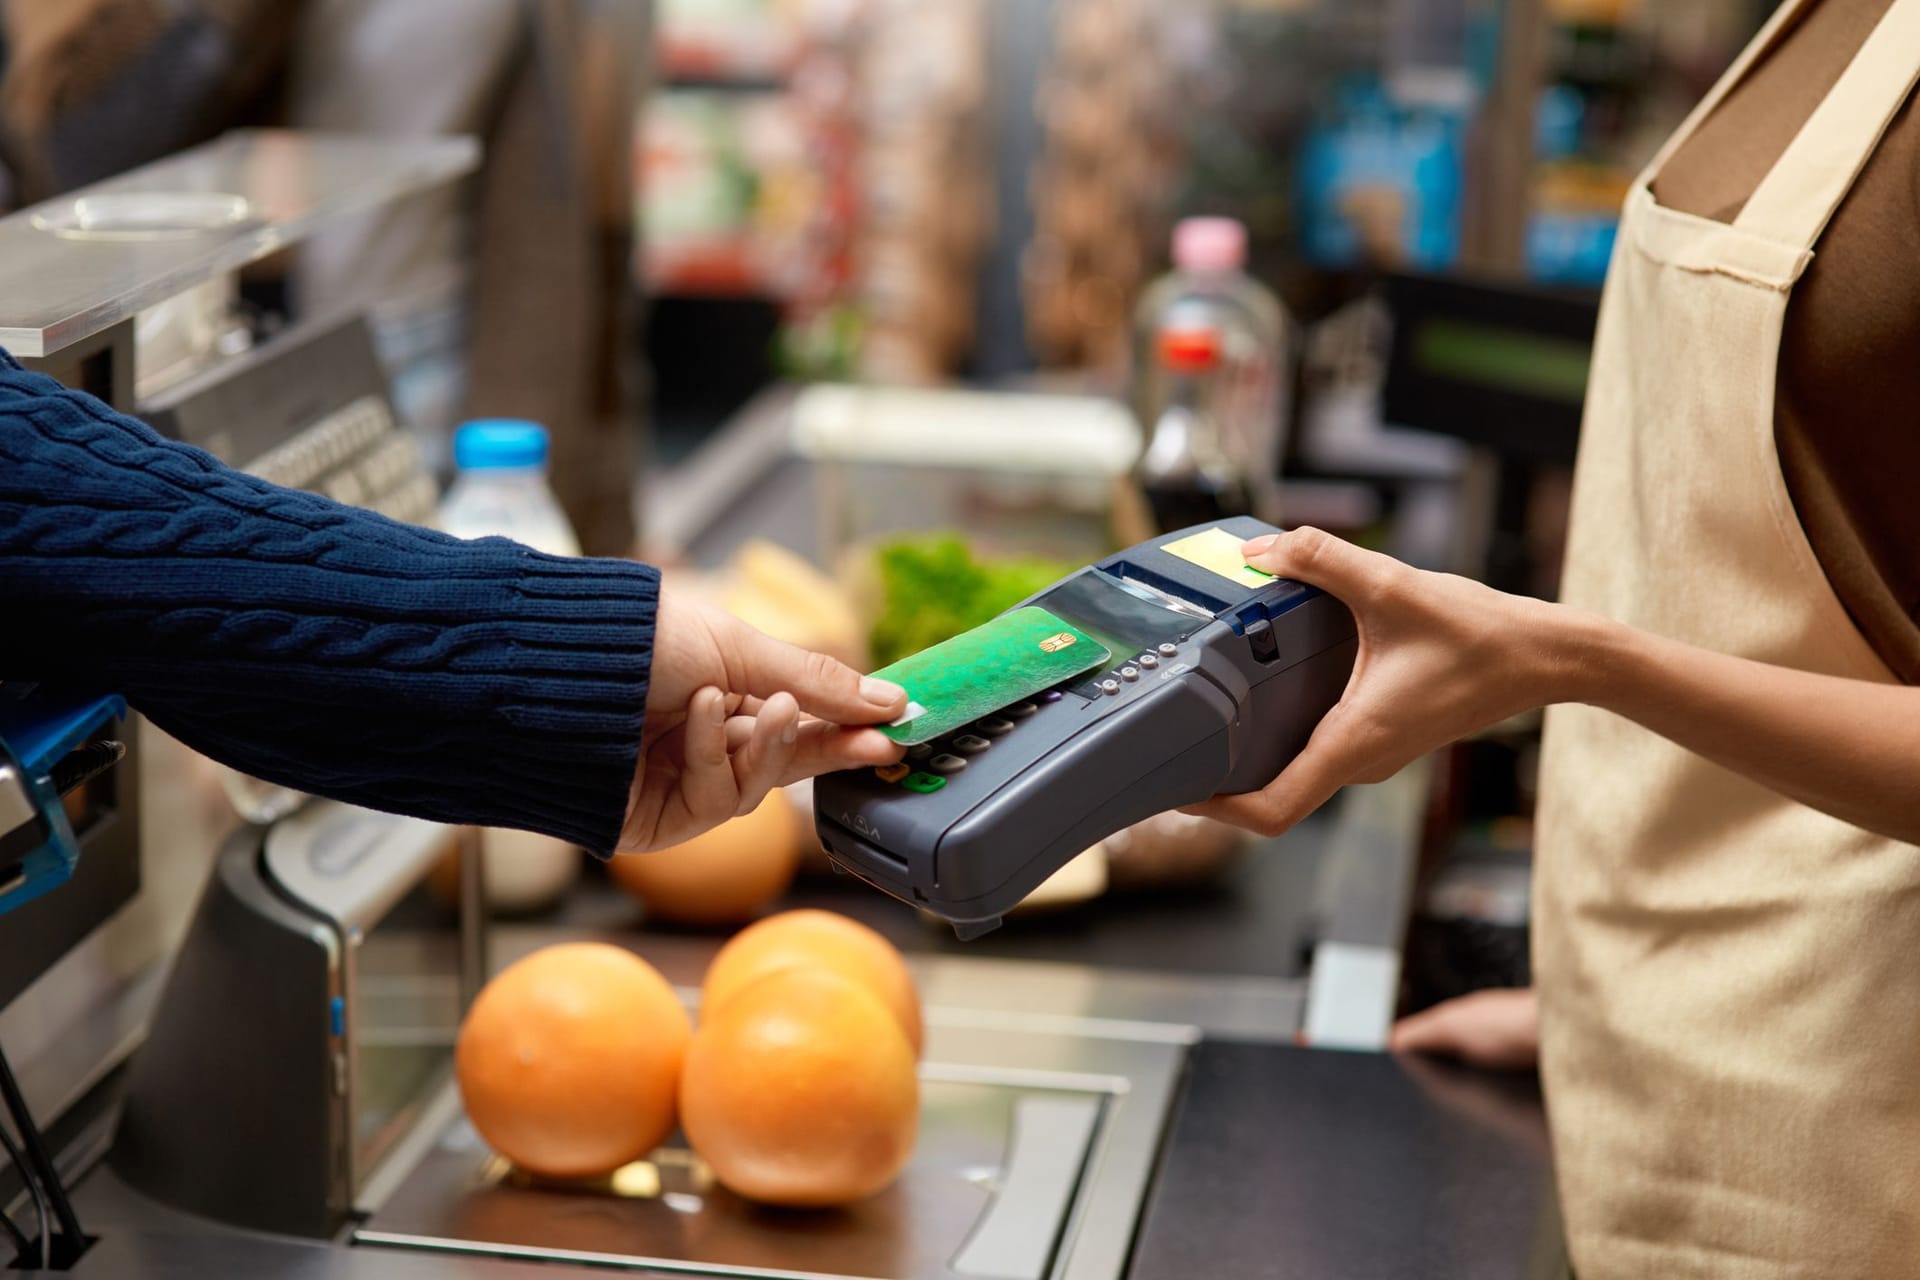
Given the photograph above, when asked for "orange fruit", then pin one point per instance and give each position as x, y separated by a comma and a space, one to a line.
801, 1090
569, 1060
722, 876
816, 940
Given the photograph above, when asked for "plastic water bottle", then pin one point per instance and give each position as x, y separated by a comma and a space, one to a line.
1245, 390
501, 489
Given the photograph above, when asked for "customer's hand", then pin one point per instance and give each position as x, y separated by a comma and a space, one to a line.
732, 713
1498, 1029
1439, 658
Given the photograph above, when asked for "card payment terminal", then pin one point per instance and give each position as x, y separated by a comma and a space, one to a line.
1218, 676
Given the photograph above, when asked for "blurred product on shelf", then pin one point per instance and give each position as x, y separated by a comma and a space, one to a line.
1620, 76
827, 157
1243, 392
729, 194
924, 183
500, 489
1109, 109
1381, 182
728, 39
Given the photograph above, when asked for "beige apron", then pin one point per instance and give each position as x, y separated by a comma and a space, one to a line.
1730, 982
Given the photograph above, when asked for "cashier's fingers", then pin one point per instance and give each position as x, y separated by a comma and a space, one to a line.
1339, 752
1494, 1028
1306, 554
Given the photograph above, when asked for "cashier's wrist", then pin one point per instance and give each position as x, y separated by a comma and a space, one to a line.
1572, 655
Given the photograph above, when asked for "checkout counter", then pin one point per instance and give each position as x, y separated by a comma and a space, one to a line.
242, 1058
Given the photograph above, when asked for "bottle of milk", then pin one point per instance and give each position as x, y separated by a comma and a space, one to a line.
501, 488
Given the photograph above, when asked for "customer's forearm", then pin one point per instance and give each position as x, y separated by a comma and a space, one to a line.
1850, 748
314, 644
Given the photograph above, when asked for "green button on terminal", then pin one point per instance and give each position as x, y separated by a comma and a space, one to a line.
924, 783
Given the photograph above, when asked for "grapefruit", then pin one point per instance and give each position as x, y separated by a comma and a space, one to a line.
801, 1090
811, 939
722, 876
569, 1060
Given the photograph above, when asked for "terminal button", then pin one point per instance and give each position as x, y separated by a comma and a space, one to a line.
1020, 710
891, 772
1051, 695
924, 783
994, 726
1168, 650
970, 744
1109, 686
1129, 673
920, 751
1148, 660
947, 763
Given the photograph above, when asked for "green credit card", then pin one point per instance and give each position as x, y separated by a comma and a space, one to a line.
995, 665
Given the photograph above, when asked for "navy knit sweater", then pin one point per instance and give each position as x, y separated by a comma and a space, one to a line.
314, 644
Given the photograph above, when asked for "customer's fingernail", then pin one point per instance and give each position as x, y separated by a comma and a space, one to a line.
1259, 545
880, 692
790, 734
717, 709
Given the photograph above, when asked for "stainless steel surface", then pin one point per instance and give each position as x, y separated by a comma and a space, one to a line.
185, 1250
1365, 895
351, 865
1013, 1238
400, 986
1071, 1044
16, 807
60, 283
680, 504
972, 1194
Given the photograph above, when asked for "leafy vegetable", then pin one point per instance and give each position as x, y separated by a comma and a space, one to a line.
932, 589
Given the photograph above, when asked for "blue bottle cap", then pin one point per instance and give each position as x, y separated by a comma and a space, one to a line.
499, 444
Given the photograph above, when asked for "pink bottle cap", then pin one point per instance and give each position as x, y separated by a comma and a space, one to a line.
1209, 244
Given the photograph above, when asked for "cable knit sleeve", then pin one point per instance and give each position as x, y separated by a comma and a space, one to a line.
314, 644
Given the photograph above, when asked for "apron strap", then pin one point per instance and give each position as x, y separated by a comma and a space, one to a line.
1763, 42
1799, 194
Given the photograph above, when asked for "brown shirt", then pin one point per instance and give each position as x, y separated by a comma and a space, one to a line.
1847, 409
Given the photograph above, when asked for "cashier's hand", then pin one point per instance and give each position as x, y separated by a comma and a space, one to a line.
732, 713
1499, 1029
1440, 657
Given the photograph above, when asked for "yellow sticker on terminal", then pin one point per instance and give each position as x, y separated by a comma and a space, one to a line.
1218, 551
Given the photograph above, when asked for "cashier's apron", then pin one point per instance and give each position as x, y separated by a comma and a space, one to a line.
1729, 981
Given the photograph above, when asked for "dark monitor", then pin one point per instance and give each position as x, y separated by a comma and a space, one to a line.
1501, 365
